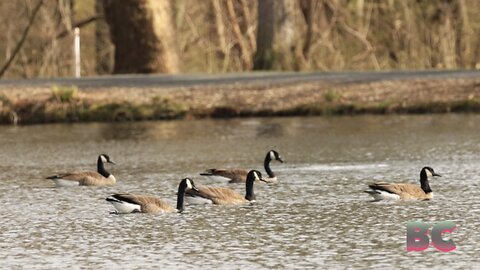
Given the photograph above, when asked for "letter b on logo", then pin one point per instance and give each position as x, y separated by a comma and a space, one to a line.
417, 236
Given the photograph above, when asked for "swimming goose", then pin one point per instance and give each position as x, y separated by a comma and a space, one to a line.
222, 195
240, 175
404, 191
99, 178
132, 203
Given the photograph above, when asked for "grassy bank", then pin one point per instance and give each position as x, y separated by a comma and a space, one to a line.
49, 104
65, 106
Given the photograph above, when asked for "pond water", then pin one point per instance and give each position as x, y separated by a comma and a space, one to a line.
315, 217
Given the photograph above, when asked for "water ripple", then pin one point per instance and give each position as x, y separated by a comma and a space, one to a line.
316, 216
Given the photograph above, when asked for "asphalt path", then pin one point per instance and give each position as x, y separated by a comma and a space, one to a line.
250, 78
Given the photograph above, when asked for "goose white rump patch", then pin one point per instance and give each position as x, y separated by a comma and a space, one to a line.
196, 200
124, 207
383, 195
65, 183
217, 178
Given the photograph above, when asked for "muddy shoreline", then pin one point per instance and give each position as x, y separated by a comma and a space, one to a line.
30, 102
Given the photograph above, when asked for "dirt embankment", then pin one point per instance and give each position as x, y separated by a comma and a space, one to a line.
28, 104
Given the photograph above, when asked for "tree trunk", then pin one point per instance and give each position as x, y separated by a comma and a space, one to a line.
143, 35
275, 35
103, 46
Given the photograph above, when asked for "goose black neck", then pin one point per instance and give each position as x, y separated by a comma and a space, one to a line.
424, 182
266, 164
101, 168
250, 195
181, 196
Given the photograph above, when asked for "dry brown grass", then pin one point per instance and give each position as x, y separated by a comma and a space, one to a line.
35, 105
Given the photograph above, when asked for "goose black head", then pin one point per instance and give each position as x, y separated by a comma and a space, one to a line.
188, 184
255, 176
106, 159
428, 172
274, 155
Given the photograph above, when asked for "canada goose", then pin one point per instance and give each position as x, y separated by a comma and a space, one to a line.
404, 191
132, 203
240, 175
99, 178
222, 195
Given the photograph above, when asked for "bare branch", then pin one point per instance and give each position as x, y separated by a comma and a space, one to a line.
220, 26
248, 19
369, 48
245, 51
79, 24
22, 39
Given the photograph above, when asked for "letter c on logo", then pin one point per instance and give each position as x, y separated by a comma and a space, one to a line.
437, 240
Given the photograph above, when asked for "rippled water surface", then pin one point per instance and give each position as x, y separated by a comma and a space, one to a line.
316, 216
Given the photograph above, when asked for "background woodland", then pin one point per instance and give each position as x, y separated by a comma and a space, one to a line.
216, 36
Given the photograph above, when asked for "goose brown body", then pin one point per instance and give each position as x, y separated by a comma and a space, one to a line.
240, 175
235, 175
223, 195
86, 178
147, 203
99, 178
126, 203
404, 191
219, 195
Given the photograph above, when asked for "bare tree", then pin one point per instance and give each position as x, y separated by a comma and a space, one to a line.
222, 35
143, 35
275, 35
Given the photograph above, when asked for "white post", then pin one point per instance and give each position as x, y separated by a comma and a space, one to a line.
76, 50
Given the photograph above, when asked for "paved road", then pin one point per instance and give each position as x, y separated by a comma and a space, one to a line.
261, 78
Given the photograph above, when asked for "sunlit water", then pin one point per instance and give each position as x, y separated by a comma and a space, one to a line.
316, 216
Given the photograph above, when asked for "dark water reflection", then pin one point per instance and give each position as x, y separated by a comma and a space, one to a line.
315, 217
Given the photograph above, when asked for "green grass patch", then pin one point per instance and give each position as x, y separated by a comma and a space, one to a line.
332, 95
166, 109
64, 94
4, 100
